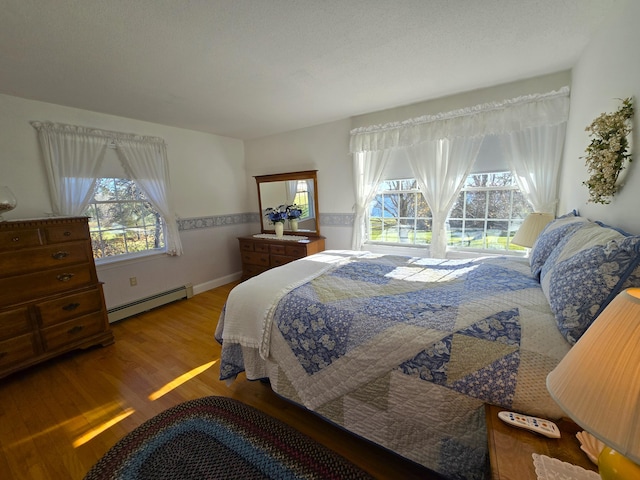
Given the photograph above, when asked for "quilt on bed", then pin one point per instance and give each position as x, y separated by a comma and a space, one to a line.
406, 351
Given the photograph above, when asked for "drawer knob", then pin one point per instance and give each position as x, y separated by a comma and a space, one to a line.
65, 277
71, 307
74, 330
60, 255
67, 233
15, 239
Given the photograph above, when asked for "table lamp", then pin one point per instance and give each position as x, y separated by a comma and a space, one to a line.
598, 385
530, 229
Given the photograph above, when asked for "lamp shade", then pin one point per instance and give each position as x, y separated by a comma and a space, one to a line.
530, 229
598, 382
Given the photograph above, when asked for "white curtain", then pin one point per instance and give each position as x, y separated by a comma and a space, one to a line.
440, 168
487, 119
367, 172
146, 162
534, 155
442, 149
292, 190
72, 157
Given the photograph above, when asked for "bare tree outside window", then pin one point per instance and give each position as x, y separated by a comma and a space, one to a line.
122, 221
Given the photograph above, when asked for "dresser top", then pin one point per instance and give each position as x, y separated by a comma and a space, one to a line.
284, 241
37, 222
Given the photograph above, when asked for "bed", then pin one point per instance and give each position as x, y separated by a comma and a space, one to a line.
406, 351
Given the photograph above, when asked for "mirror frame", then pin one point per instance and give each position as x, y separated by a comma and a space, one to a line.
283, 177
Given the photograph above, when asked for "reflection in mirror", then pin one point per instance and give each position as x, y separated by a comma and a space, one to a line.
285, 189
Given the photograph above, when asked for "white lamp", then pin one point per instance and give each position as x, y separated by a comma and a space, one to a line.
530, 229
598, 385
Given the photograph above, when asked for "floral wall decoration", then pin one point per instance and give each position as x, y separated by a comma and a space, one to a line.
608, 151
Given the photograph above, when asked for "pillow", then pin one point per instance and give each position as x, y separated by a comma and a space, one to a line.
550, 237
580, 282
584, 236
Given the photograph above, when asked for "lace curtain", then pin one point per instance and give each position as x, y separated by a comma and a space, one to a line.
367, 173
487, 119
72, 158
531, 128
73, 155
441, 178
146, 162
534, 155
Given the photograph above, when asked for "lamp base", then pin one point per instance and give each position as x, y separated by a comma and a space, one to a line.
615, 466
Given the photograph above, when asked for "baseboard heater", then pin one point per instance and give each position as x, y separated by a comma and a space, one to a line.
145, 304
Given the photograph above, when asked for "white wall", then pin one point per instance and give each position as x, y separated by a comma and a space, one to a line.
608, 69
208, 178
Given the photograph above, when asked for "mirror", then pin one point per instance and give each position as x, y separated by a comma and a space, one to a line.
299, 188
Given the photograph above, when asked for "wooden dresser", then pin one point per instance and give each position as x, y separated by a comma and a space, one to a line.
261, 254
50, 298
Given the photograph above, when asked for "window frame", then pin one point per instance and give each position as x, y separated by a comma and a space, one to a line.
139, 199
309, 204
512, 221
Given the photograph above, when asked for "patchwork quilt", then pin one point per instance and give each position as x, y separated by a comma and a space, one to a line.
402, 351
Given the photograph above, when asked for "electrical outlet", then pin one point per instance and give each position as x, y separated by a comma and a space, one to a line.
133, 281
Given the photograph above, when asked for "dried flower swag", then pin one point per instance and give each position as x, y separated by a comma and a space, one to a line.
607, 151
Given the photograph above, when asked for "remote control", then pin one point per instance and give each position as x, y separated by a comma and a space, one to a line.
537, 425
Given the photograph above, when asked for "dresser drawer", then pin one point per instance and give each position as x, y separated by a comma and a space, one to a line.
66, 308
17, 349
66, 233
14, 322
23, 238
72, 331
255, 258
261, 247
277, 249
33, 260
277, 260
25, 287
297, 251
246, 246
252, 270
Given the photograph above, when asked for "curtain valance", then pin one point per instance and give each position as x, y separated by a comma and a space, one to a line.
508, 116
112, 136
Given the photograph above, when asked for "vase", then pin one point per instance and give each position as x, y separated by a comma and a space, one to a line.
279, 226
7, 201
293, 224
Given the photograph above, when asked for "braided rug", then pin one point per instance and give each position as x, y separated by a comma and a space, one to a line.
219, 438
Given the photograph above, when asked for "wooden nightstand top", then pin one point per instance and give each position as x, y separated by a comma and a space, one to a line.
510, 448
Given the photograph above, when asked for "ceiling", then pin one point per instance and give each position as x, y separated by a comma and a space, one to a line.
251, 68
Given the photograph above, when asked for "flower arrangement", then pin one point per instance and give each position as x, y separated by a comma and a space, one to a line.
293, 212
276, 215
608, 151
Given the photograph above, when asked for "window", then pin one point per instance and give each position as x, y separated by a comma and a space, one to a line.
122, 221
400, 214
301, 199
486, 214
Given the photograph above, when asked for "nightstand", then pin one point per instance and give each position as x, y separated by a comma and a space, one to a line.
510, 448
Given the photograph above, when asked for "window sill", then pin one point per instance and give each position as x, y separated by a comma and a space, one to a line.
424, 251
120, 260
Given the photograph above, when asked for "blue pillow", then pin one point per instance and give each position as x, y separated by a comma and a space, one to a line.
581, 286
550, 237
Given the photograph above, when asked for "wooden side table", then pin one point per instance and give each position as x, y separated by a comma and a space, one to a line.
510, 448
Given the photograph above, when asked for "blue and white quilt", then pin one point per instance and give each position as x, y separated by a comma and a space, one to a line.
402, 351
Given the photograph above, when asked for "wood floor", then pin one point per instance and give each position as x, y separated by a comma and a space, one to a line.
58, 418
